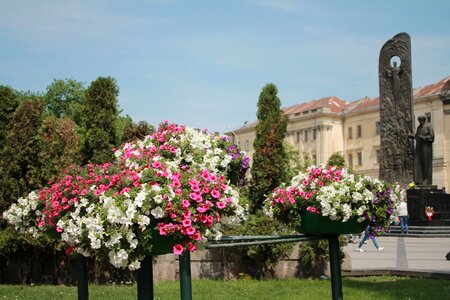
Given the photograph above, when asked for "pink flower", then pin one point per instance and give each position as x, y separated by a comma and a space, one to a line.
178, 249
221, 204
59, 229
186, 223
215, 193
190, 230
156, 164
190, 246
185, 203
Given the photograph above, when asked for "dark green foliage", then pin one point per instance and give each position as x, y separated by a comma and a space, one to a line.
60, 146
261, 260
133, 131
19, 158
336, 159
315, 254
8, 104
65, 98
270, 163
100, 115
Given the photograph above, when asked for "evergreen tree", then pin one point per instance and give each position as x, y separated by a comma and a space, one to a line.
100, 114
270, 163
60, 146
8, 104
19, 158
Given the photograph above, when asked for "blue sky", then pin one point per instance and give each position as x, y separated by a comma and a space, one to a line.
203, 63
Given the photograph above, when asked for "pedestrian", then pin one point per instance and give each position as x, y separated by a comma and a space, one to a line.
365, 237
403, 216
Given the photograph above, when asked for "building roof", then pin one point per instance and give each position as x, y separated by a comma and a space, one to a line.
337, 105
334, 103
439, 87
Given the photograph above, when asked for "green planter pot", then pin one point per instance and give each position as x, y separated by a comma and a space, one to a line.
161, 244
315, 224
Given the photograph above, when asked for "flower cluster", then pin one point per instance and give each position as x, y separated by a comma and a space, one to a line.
174, 183
334, 192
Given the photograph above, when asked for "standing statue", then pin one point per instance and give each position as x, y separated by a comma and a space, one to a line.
423, 155
396, 112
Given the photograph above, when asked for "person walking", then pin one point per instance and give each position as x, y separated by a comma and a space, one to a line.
365, 237
403, 216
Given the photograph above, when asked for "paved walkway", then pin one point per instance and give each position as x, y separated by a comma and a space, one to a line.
402, 255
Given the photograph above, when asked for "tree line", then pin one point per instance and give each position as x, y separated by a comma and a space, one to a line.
43, 133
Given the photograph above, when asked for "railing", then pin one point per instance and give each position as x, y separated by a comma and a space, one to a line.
145, 273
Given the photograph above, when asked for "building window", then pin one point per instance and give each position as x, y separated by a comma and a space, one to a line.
314, 134
350, 133
247, 146
306, 135
428, 117
359, 158
350, 160
314, 159
298, 136
359, 131
377, 153
377, 127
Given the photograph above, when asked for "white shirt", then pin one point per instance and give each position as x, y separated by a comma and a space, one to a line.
403, 209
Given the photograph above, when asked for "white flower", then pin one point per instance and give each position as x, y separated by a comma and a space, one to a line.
157, 212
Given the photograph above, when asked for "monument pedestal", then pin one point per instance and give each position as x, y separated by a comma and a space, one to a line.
424, 196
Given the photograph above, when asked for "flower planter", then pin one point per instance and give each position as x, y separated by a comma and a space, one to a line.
316, 224
161, 244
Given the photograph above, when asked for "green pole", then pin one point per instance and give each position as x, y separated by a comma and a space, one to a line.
145, 279
335, 266
185, 276
82, 278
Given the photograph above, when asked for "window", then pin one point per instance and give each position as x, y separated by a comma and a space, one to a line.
377, 127
359, 158
359, 131
314, 159
350, 160
377, 152
306, 135
247, 146
350, 133
298, 136
314, 134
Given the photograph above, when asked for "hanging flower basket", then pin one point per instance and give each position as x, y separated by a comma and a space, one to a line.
331, 200
315, 224
166, 193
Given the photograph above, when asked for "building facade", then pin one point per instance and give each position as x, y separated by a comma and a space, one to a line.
329, 125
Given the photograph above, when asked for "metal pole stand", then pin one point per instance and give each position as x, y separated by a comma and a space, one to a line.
335, 266
145, 279
82, 278
185, 276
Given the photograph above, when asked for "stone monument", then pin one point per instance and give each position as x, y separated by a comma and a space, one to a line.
396, 111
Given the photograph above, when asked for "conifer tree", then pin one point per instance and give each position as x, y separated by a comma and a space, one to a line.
270, 162
100, 114
8, 104
19, 161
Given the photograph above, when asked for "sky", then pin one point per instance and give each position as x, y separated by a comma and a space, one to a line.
203, 63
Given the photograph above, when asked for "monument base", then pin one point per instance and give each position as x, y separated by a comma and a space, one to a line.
424, 196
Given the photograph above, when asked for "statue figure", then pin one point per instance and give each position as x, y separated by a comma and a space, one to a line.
423, 154
396, 113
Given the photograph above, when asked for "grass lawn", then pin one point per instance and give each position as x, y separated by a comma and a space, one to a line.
362, 288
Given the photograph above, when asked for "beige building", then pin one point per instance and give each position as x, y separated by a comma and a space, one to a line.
328, 125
